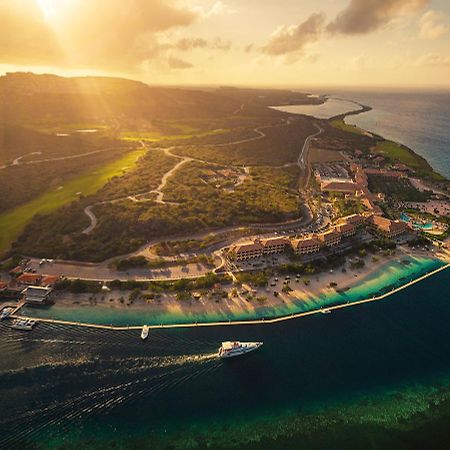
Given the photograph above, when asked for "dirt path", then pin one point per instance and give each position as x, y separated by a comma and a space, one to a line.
185, 159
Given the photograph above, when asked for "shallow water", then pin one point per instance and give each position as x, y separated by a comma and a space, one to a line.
389, 276
376, 374
332, 107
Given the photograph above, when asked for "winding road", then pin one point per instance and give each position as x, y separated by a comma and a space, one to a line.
301, 162
159, 190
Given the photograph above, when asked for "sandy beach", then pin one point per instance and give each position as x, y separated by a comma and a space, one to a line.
315, 292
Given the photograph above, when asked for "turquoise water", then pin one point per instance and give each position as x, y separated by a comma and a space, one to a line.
375, 376
418, 226
389, 276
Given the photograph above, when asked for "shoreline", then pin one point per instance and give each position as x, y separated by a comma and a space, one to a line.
253, 319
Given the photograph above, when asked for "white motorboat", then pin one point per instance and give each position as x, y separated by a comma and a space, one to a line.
144, 333
23, 324
326, 311
230, 349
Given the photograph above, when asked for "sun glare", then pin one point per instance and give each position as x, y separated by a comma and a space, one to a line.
48, 9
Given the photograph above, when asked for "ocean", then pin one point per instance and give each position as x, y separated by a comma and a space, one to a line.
370, 376
419, 120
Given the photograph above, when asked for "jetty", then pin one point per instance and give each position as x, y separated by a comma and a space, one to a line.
262, 321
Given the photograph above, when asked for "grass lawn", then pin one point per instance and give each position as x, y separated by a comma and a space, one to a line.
155, 136
13, 222
322, 155
349, 128
397, 152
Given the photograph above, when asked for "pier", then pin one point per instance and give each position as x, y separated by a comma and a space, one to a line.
262, 321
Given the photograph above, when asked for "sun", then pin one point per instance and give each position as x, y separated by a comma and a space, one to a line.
48, 9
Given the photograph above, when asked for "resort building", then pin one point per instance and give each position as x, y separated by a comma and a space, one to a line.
36, 295
358, 220
386, 227
346, 229
330, 238
248, 250
49, 280
347, 187
273, 245
306, 246
29, 278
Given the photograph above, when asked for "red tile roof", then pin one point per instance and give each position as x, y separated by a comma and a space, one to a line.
29, 278
274, 241
340, 187
247, 247
49, 280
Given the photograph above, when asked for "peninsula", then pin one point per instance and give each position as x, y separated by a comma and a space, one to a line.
243, 212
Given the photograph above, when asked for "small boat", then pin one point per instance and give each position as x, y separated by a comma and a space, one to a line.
23, 324
230, 349
144, 333
325, 311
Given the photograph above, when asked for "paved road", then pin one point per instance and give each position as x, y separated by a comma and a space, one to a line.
102, 272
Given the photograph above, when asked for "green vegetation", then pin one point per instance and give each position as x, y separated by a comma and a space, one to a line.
399, 153
358, 264
134, 262
170, 248
10, 263
131, 263
397, 189
206, 282
123, 226
282, 144
78, 286
43, 177
144, 177
186, 132
340, 124
260, 279
13, 222
346, 207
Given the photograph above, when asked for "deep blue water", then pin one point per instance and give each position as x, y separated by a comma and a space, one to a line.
382, 363
419, 120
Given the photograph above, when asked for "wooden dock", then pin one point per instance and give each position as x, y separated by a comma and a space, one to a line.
262, 321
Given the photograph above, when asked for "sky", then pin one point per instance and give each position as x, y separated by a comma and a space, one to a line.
284, 43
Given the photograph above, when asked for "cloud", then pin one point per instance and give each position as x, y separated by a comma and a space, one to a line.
106, 34
187, 44
365, 16
175, 63
433, 60
430, 26
217, 9
290, 39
